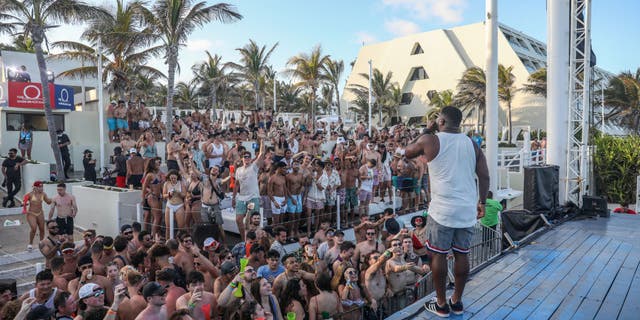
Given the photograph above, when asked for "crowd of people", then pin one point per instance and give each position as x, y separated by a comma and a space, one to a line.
289, 172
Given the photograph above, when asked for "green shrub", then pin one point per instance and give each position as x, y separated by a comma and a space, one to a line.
616, 165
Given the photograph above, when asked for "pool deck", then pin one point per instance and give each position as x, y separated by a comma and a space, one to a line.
582, 269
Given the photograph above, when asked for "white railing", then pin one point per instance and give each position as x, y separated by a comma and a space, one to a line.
514, 161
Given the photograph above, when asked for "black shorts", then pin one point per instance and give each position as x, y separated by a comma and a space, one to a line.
173, 165
65, 225
135, 180
134, 125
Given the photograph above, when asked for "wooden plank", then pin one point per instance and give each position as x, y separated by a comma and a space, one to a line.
489, 306
578, 291
631, 306
612, 304
555, 284
596, 295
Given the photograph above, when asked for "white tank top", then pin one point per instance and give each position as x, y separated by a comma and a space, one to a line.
452, 177
48, 303
218, 151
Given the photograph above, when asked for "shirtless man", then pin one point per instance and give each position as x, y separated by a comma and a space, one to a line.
348, 177
50, 246
87, 275
59, 278
365, 247
67, 210
173, 147
133, 116
295, 188
135, 169
361, 229
145, 117
201, 304
343, 262
184, 257
126, 142
70, 259
291, 271
154, 294
121, 117
365, 194
135, 302
210, 210
278, 193
375, 283
111, 120
399, 273
165, 278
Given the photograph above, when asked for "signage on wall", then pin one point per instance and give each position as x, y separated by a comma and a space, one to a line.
30, 95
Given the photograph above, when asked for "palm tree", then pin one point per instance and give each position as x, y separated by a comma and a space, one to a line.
33, 18
506, 90
393, 100
210, 76
537, 83
253, 65
623, 97
332, 72
186, 96
471, 95
288, 96
437, 101
175, 20
326, 98
381, 87
307, 69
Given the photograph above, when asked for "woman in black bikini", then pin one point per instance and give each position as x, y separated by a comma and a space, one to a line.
194, 198
327, 303
152, 196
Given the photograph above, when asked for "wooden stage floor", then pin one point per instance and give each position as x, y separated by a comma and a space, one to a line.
582, 269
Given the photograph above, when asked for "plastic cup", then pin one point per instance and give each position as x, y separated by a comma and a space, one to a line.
291, 316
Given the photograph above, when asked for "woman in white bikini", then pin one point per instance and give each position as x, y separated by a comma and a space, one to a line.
174, 191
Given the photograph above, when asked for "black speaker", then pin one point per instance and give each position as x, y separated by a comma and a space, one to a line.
541, 184
595, 206
202, 231
9, 284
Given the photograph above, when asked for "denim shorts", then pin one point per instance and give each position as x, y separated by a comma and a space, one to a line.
241, 206
441, 239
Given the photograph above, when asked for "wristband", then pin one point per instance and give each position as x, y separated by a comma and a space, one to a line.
112, 312
191, 305
233, 285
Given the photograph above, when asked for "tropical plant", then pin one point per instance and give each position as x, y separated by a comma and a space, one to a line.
471, 95
381, 86
127, 43
506, 90
307, 69
623, 97
326, 98
616, 165
392, 103
186, 96
332, 72
537, 83
174, 21
437, 101
32, 19
288, 96
253, 65
211, 76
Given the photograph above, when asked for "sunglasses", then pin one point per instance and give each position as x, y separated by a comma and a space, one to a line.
396, 245
249, 270
371, 233
246, 157
98, 292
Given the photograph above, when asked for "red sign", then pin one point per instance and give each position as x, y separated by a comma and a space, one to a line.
30, 95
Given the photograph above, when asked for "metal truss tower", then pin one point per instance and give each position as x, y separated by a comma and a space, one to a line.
578, 156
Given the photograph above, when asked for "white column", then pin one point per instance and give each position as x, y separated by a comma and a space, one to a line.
274, 93
370, 94
491, 72
558, 35
100, 89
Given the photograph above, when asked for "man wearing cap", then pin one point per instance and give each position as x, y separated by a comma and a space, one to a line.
89, 165
201, 304
457, 201
63, 144
91, 297
228, 296
111, 120
228, 270
135, 169
155, 295
66, 209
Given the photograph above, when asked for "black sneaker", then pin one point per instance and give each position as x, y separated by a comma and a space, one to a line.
456, 308
433, 307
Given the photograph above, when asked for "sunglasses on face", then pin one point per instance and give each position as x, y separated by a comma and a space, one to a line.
396, 245
249, 270
98, 292
371, 233
246, 157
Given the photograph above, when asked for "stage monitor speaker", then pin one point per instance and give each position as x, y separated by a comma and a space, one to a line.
595, 206
202, 231
541, 184
9, 284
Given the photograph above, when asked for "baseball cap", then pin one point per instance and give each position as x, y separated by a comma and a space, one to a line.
37, 184
125, 227
87, 151
339, 233
113, 102
210, 243
340, 140
133, 150
153, 289
88, 290
228, 267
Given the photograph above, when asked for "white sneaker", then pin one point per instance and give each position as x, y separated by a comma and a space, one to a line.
29, 247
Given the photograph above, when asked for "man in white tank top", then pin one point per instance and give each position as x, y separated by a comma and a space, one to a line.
455, 162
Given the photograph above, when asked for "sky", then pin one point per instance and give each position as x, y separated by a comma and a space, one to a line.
342, 27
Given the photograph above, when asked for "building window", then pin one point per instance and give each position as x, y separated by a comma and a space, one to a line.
406, 98
417, 49
419, 74
37, 122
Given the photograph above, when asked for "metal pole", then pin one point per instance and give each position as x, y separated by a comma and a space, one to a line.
274, 93
586, 105
491, 33
394, 198
370, 95
558, 35
139, 212
602, 103
100, 89
338, 211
